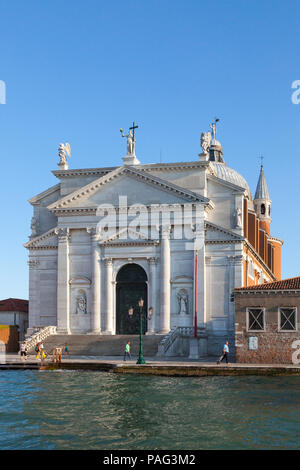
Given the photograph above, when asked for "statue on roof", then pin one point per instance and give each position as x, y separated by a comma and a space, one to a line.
130, 142
205, 142
214, 128
130, 139
63, 151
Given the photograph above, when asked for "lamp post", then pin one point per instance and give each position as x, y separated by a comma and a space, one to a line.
141, 359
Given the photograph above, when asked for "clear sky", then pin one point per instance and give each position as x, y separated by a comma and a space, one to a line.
78, 70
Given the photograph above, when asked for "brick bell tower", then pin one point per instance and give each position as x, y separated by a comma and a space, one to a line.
262, 202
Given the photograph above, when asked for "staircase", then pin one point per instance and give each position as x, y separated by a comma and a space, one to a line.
102, 345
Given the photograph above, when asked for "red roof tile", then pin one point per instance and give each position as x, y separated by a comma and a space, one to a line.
14, 305
285, 284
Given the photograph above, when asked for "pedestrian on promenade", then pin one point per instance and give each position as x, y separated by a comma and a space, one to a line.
127, 351
37, 350
40, 351
66, 350
58, 354
23, 351
225, 353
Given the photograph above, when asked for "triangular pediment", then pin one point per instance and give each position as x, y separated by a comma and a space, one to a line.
216, 233
138, 187
125, 234
128, 237
44, 241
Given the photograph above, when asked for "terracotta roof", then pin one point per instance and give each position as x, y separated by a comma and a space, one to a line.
14, 305
285, 284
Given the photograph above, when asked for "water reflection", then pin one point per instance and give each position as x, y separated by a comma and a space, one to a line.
90, 410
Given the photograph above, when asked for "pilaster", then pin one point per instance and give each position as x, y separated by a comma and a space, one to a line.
63, 277
199, 262
96, 280
108, 299
165, 272
33, 314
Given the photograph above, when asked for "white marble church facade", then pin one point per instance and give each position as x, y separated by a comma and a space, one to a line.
191, 259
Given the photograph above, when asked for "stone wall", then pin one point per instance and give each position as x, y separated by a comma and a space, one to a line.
273, 346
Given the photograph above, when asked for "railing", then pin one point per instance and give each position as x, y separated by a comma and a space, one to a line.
39, 336
174, 333
167, 341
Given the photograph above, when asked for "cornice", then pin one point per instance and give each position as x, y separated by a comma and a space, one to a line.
44, 247
173, 166
261, 261
61, 174
130, 243
275, 239
70, 211
144, 167
222, 242
243, 291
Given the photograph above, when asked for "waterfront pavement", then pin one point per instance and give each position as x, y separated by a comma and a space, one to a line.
171, 366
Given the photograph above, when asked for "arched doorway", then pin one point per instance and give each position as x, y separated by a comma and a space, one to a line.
131, 286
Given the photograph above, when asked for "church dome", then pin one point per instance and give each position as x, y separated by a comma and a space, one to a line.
216, 143
226, 173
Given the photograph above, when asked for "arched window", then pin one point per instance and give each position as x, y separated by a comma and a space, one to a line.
263, 209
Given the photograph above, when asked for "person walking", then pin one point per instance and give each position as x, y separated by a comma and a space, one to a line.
40, 351
66, 350
23, 351
224, 353
58, 354
37, 350
127, 351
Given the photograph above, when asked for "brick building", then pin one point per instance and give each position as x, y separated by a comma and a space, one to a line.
267, 321
261, 252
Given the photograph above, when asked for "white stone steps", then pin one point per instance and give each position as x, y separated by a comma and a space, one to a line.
102, 345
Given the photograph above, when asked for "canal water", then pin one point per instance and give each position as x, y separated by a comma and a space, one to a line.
94, 410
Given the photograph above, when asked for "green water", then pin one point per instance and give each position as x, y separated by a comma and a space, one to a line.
92, 410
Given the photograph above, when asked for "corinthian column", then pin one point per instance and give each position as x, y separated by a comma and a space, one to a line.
96, 280
63, 288
152, 294
108, 300
165, 271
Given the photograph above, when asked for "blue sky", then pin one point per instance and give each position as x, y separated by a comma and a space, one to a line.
79, 70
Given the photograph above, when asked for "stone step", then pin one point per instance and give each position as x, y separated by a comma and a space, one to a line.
103, 345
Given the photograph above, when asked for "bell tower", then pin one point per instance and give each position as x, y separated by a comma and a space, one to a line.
262, 202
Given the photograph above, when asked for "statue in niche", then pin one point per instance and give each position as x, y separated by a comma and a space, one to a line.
238, 218
81, 304
183, 298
